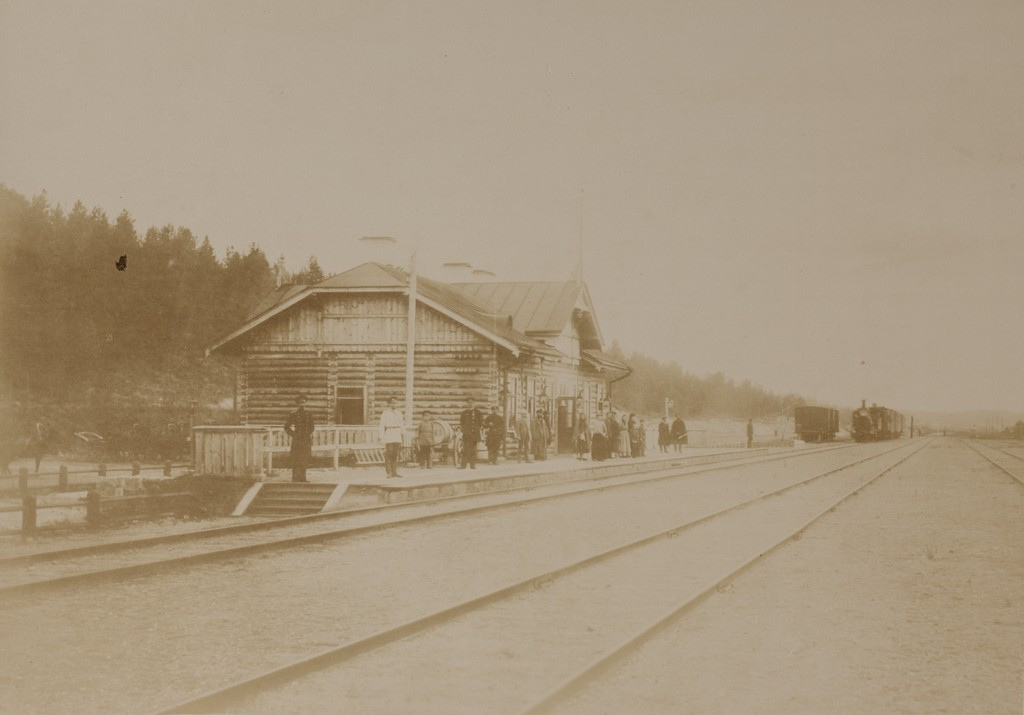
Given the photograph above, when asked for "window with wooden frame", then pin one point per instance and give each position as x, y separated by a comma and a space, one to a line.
350, 406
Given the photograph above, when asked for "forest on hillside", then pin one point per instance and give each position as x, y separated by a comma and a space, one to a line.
91, 345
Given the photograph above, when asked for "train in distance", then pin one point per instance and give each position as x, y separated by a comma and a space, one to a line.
874, 424
870, 424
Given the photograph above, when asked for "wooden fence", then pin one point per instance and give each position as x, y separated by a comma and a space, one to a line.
239, 450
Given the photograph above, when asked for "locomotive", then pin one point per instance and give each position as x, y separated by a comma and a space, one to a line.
873, 424
816, 424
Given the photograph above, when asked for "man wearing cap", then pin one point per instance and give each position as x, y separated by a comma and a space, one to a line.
391, 437
299, 427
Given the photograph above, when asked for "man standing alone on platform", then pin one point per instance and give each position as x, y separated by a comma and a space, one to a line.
299, 426
391, 437
495, 425
750, 433
471, 421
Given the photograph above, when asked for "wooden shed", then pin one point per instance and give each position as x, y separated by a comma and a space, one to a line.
344, 344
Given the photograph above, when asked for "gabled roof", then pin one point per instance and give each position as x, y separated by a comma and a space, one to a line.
493, 325
367, 275
538, 308
535, 307
278, 295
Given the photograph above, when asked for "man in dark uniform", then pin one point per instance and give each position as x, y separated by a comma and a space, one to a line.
750, 433
299, 427
471, 421
678, 432
495, 425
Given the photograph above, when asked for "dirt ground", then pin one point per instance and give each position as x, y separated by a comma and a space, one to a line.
908, 599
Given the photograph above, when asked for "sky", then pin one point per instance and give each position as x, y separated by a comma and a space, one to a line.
823, 198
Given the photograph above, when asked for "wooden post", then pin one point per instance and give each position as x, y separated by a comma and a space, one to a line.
410, 348
28, 514
270, 452
92, 508
23, 479
62, 478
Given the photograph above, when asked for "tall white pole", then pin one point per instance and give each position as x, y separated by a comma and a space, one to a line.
410, 348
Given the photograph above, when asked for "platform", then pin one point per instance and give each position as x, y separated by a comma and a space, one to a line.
368, 486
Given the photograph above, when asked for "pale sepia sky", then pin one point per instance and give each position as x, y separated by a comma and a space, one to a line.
777, 190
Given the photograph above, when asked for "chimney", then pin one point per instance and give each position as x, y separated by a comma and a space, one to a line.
456, 272
482, 274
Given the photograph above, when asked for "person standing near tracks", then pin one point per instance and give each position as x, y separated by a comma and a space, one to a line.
471, 421
625, 450
750, 432
678, 433
525, 436
495, 425
299, 426
425, 441
599, 448
391, 437
613, 435
541, 435
664, 435
634, 435
581, 435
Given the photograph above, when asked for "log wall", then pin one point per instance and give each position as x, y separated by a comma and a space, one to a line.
357, 342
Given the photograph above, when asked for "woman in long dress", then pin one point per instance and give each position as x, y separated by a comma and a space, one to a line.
634, 435
598, 439
581, 436
624, 448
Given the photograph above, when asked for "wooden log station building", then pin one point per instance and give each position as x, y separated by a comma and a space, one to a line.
344, 343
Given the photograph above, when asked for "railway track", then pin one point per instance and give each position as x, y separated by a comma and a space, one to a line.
42, 571
511, 642
1003, 460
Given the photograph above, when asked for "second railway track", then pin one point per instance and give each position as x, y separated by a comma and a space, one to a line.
35, 572
494, 651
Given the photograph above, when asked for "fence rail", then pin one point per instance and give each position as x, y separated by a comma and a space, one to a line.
239, 450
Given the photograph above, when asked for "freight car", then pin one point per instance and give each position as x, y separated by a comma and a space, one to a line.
816, 424
872, 424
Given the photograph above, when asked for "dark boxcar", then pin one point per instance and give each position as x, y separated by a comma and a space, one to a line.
816, 424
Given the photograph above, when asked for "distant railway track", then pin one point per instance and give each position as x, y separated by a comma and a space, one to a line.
42, 571
998, 458
554, 591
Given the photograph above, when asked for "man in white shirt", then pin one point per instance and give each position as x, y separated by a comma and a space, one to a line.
391, 437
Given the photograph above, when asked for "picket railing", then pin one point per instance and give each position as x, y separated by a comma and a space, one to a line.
243, 450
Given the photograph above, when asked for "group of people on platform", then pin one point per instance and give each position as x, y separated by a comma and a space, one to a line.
609, 436
606, 436
531, 433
